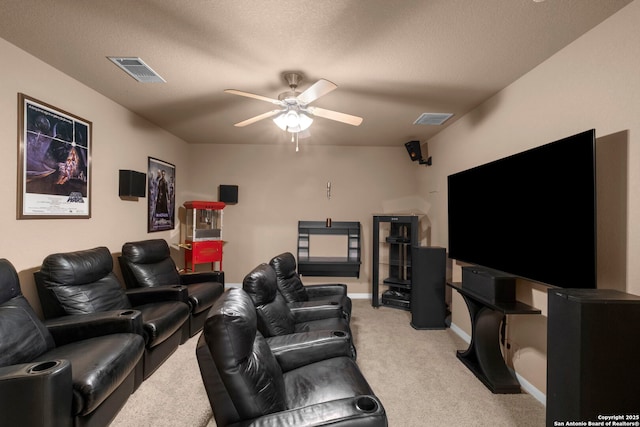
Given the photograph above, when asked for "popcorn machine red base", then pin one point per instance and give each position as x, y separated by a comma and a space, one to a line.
203, 242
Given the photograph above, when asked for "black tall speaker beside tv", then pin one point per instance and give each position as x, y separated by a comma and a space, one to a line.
428, 306
593, 348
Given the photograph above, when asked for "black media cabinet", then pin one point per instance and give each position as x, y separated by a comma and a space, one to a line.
347, 265
483, 357
395, 235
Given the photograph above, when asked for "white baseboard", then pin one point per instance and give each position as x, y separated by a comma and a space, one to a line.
462, 334
529, 388
526, 385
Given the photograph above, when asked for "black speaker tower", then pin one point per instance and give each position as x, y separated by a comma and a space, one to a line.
428, 279
592, 355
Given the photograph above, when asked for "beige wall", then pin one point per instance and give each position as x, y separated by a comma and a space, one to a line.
121, 140
593, 83
278, 187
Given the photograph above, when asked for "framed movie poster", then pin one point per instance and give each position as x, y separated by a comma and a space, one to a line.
162, 198
54, 170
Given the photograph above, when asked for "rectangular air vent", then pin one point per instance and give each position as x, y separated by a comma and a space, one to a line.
137, 69
432, 118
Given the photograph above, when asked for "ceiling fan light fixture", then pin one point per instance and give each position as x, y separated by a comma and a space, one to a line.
304, 121
281, 121
292, 121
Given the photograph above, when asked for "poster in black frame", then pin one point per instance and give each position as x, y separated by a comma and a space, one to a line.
54, 167
161, 190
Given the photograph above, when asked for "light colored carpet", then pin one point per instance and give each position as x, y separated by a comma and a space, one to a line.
415, 374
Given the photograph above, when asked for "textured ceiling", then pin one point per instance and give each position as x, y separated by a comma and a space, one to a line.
391, 60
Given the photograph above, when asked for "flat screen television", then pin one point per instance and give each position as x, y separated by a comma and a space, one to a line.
532, 214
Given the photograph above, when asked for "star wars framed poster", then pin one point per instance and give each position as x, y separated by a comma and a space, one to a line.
54, 170
162, 198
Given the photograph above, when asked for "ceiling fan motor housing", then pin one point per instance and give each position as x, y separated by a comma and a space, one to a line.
293, 79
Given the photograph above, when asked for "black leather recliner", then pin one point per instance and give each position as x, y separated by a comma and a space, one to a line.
247, 386
83, 282
148, 263
294, 291
79, 371
277, 318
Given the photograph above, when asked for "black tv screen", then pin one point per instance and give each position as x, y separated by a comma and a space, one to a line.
532, 214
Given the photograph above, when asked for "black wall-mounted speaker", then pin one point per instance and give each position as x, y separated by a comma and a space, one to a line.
132, 183
413, 148
228, 194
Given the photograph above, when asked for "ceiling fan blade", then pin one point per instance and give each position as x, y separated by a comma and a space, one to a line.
334, 115
304, 134
258, 118
315, 91
254, 96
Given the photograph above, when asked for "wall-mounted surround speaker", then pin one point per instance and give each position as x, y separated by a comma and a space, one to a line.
413, 148
415, 152
228, 194
132, 184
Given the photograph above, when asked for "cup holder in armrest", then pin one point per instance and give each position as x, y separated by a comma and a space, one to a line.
43, 366
333, 303
366, 404
127, 313
339, 334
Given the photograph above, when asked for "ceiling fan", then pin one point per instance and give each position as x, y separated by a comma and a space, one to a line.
294, 114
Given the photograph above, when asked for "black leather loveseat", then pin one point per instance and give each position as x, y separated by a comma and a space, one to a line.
83, 282
77, 371
148, 263
248, 386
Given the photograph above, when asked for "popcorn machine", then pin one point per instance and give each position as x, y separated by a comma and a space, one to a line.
203, 240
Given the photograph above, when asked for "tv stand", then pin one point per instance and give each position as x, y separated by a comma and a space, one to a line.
483, 357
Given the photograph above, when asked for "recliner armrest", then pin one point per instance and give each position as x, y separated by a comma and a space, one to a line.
36, 394
139, 296
351, 411
202, 277
77, 327
314, 310
299, 349
326, 290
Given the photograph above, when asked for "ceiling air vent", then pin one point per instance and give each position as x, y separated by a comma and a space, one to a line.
432, 119
137, 69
